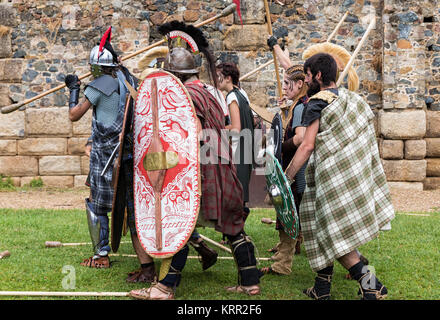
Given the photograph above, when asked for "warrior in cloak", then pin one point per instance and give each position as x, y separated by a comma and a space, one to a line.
222, 200
346, 201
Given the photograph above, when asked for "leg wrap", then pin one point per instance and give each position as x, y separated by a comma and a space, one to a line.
103, 247
323, 281
284, 256
172, 279
370, 288
244, 255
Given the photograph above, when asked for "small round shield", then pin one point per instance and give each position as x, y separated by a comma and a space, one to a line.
281, 196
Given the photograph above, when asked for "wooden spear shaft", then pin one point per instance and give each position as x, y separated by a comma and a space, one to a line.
275, 61
337, 27
55, 244
216, 243
8, 109
189, 257
247, 75
358, 48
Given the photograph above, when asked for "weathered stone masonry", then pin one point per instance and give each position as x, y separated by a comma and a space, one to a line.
42, 41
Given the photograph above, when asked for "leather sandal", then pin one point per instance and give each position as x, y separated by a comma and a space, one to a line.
147, 275
98, 263
250, 291
145, 293
312, 293
368, 293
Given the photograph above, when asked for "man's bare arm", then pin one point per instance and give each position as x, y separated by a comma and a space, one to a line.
79, 110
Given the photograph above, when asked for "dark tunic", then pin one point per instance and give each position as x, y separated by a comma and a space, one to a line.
314, 108
244, 155
221, 200
289, 149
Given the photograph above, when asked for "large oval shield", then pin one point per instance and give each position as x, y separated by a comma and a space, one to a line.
166, 165
281, 196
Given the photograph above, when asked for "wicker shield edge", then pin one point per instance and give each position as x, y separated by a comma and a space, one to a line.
281, 196
164, 230
119, 187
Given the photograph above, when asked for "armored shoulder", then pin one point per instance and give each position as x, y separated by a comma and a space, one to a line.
105, 84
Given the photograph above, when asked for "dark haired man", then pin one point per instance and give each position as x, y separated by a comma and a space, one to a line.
347, 199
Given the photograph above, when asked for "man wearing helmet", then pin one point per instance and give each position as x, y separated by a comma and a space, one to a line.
222, 201
106, 94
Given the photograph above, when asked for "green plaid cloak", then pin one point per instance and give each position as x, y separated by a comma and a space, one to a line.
347, 199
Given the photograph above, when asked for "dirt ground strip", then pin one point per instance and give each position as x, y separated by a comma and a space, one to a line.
403, 200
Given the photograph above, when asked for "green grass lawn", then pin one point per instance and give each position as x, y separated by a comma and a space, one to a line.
405, 259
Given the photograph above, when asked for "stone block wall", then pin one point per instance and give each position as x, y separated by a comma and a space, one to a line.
408, 120
43, 41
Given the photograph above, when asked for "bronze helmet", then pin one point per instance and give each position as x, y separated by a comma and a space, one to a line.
180, 60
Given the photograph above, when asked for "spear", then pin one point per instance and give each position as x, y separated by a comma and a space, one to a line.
55, 244
261, 111
8, 109
247, 75
215, 243
353, 56
275, 62
189, 257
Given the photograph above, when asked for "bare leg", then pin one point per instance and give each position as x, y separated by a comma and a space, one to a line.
147, 272
349, 260
143, 257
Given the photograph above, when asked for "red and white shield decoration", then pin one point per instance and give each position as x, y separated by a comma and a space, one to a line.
163, 103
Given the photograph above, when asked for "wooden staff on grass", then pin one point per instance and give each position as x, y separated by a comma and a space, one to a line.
8, 109
189, 257
56, 244
62, 294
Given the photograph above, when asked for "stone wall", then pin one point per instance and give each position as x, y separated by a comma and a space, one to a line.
42, 41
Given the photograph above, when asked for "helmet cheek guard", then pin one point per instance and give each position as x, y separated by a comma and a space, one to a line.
96, 70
